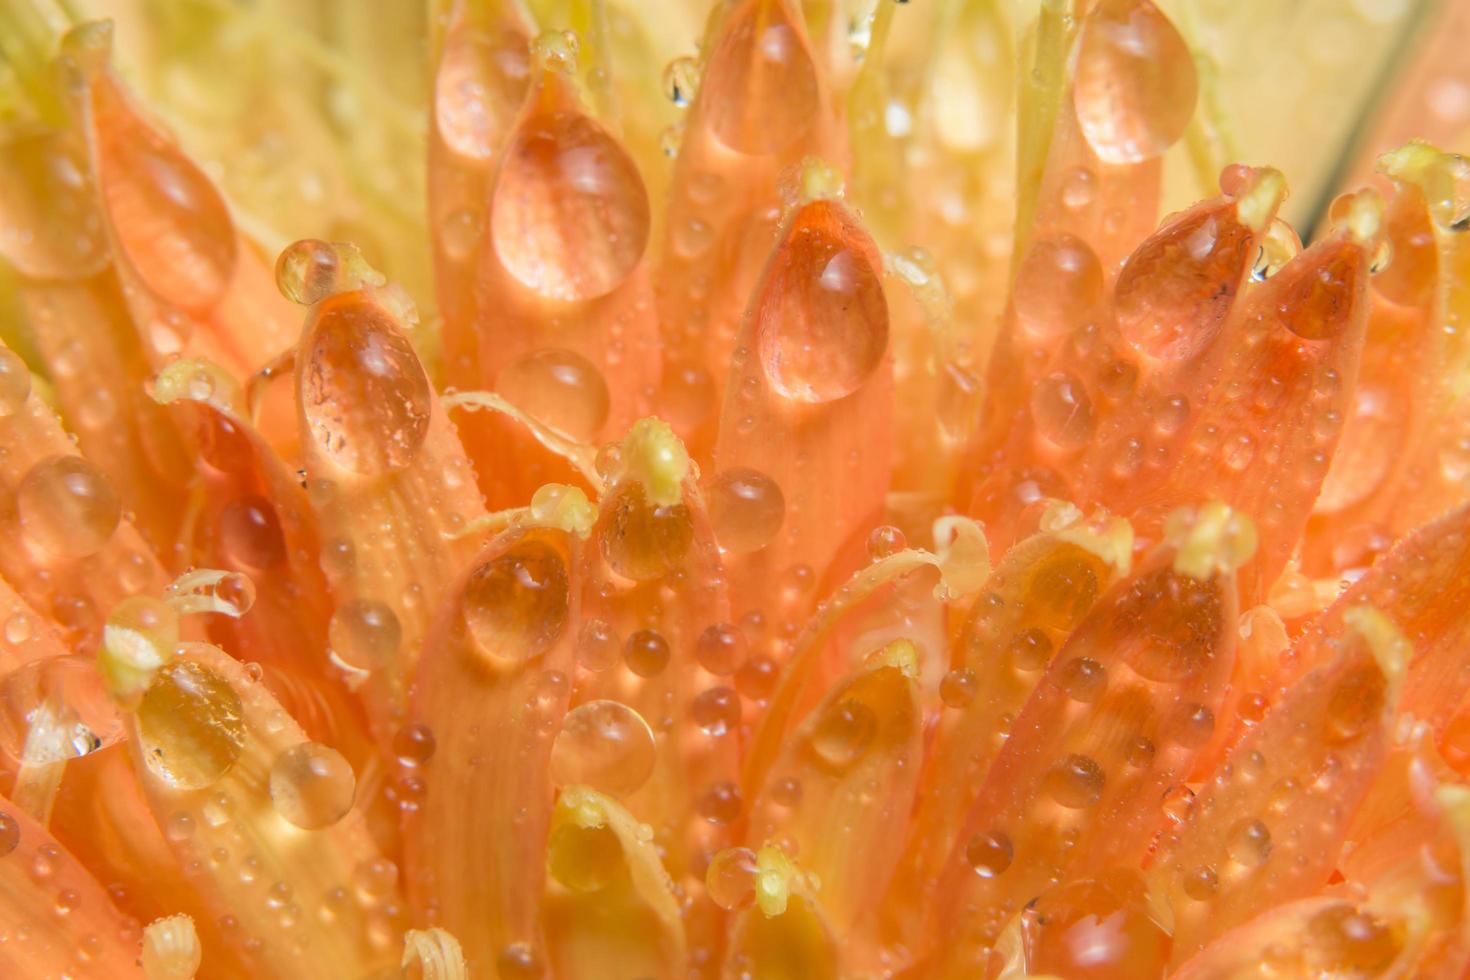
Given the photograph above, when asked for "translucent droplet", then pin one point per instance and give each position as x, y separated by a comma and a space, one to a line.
1343, 941
647, 653
1062, 410
821, 317
312, 786
55, 709
746, 508
569, 217
1084, 679
50, 227
720, 804
518, 961
9, 834
730, 879
1135, 85
681, 81
641, 541
67, 507
1030, 649
1314, 295
1356, 705
1076, 782
1201, 883
716, 711
598, 645
559, 388
413, 745
365, 634
958, 687
15, 382
605, 745
250, 533
190, 725
364, 395
1249, 842
761, 89
989, 854
310, 271
480, 86
1058, 285
165, 214
885, 541
844, 734
584, 859
515, 606
757, 678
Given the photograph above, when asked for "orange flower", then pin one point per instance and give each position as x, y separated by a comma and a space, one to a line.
864, 546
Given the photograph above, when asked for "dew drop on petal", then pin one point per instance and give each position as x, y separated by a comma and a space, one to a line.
584, 859
364, 395
1249, 842
957, 688
15, 382
414, 744
1201, 883
364, 634
50, 227
515, 606
646, 653
559, 388
821, 316
746, 508
191, 728
605, 745
1343, 941
250, 533
642, 541
716, 711
720, 649
730, 879
67, 507
479, 88
989, 854
518, 961
312, 786
760, 92
1135, 84
569, 215
1062, 410
844, 734
1057, 286
9, 834
1076, 782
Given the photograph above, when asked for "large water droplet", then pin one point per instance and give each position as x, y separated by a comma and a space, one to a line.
746, 508
312, 785
569, 216
605, 745
822, 319
641, 541
365, 634
165, 214
1057, 286
50, 227
190, 725
479, 88
515, 606
760, 91
559, 388
1062, 410
67, 507
844, 734
363, 393
56, 709
1136, 84
1314, 294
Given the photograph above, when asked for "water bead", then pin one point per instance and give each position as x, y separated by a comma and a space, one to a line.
885, 541
957, 687
55, 709
720, 804
50, 226
309, 271
746, 509
250, 533
605, 745
584, 859
364, 634
191, 728
1076, 782
989, 854
364, 395
312, 786
559, 388
760, 88
641, 541
1342, 941
646, 653
730, 878
720, 649
716, 711
843, 735
15, 382
67, 507
1058, 284
518, 961
681, 81
479, 88
1084, 679
1029, 649
757, 677
1135, 82
1192, 725
821, 316
1062, 410
414, 744
1249, 842
569, 212
1201, 883
9, 834
598, 645
1355, 705
375, 880
515, 606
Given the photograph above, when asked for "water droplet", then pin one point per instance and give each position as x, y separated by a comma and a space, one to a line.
989, 854
1030, 649
166, 216
844, 734
730, 879
569, 216
363, 393
681, 81
1314, 295
885, 541
584, 859
1084, 679
250, 533
1201, 883
559, 388
716, 711
757, 678
515, 606
821, 317
479, 88
1135, 84
364, 634
1355, 705
720, 804
1058, 285
413, 745
1062, 410
720, 649
647, 653
761, 89
56, 709
1249, 842
9, 834
312, 786
1076, 782
1343, 941
958, 687
67, 507
50, 227
746, 508
605, 745
1079, 188
518, 961
190, 725
1192, 725
15, 382
643, 542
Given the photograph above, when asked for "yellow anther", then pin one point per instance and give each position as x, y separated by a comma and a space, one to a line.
655, 457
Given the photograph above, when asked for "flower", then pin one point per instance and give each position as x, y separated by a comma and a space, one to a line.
827, 536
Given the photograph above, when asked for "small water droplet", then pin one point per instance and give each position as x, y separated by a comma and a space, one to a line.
312, 786
605, 745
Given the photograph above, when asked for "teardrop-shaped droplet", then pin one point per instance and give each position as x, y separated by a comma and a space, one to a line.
605, 745
760, 91
569, 215
312, 786
479, 88
643, 541
559, 388
67, 507
822, 319
515, 606
190, 726
165, 214
1316, 295
1136, 84
50, 227
364, 395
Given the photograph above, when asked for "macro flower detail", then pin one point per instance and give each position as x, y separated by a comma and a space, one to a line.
745, 490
